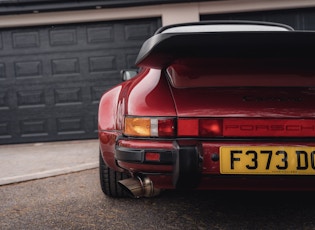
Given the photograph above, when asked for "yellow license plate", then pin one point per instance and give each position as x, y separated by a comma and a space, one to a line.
271, 160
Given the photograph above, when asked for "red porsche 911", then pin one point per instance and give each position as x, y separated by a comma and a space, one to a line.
216, 105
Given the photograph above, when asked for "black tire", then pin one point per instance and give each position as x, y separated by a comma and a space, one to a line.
109, 179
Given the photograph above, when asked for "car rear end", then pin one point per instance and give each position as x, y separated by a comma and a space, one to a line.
254, 118
245, 124
252, 137
239, 112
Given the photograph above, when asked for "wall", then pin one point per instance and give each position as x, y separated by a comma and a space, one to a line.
170, 13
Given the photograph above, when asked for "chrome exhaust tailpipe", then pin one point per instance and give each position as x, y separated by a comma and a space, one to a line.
139, 187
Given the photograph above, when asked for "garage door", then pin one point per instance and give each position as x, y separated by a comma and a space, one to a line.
299, 19
52, 77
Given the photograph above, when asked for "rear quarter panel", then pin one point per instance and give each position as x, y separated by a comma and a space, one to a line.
147, 94
107, 128
150, 96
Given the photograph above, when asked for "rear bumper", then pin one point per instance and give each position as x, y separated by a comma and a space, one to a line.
196, 164
183, 163
139, 155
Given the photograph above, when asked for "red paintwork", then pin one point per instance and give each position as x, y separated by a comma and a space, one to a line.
245, 102
135, 97
227, 72
151, 94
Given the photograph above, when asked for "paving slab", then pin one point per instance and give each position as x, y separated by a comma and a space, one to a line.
23, 162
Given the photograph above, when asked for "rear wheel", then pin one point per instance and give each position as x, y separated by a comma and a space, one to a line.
109, 179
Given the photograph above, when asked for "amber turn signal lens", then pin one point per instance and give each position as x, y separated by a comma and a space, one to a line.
149, 126
135, 126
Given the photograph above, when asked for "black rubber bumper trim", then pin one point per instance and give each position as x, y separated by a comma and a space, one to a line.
138, 155
187, 167
186, 161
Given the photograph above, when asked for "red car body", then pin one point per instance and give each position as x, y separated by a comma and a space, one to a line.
224, 108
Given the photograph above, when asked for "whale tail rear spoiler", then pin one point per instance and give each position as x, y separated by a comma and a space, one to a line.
225, 39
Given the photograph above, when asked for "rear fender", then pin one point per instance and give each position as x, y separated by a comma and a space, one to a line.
111, 118
107, 125
150, 95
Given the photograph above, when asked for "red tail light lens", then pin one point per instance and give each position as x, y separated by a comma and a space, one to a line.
152, 156
187, 127
166, 127
209, 127
199, 127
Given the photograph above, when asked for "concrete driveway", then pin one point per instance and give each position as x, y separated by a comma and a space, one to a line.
24, 162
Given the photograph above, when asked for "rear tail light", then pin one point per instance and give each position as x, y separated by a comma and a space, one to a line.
149, 127
209, 127
199, 127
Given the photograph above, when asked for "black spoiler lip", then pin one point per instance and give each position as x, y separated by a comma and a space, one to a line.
225, 22
162, 49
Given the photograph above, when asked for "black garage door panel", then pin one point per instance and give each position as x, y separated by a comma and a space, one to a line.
299, 19
53, 77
